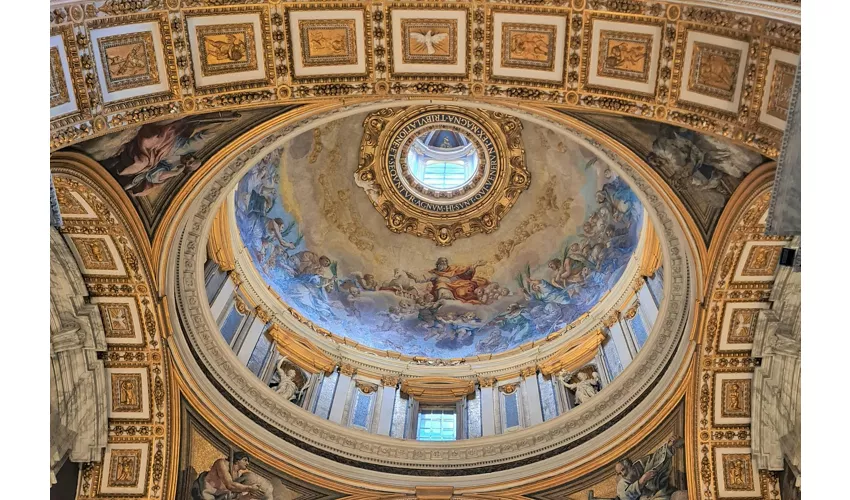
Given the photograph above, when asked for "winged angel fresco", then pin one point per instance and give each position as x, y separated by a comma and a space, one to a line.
452, 308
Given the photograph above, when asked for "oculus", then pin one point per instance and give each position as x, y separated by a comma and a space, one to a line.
442, 172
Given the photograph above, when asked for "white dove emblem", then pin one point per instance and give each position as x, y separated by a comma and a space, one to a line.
429, 39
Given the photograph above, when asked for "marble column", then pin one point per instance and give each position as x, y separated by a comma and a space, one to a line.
531, 397
78, 382
387, 401
344, 384
776, 382
488, 407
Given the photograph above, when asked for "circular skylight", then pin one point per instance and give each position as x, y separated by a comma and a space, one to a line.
442, 159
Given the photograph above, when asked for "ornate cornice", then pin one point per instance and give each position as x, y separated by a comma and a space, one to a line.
437, 390
300, 351
283, 80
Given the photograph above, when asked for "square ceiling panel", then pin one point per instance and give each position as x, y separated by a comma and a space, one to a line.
623, 56
527, 47
429, 42
130, 60
328, 43
230, 49
778, 87
713, 70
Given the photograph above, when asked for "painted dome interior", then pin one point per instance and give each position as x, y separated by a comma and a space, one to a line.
315, 239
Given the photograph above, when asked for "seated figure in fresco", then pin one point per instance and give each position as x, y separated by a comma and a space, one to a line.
309, 263
649, 477
160, 151
225, 481
453, 282
687, 153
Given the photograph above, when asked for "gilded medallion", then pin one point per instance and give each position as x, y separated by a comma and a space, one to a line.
442, 172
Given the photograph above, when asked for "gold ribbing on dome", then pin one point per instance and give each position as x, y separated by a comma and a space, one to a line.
574, 354
219, 245
651, 258
300, 351
437, 390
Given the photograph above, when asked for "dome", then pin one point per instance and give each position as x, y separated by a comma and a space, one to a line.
314, 239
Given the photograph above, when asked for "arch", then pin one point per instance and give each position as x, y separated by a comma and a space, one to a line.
739, 282
105, 235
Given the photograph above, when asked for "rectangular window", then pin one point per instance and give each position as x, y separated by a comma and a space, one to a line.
511, 410
638, 328
612, 359
360, 415
259, 355
437, 425
231, 325
656, 286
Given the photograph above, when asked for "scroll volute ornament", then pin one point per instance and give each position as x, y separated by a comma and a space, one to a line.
300, 351
575, 354
437, 390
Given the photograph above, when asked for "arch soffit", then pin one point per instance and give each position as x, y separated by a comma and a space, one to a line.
85, 108
129, 280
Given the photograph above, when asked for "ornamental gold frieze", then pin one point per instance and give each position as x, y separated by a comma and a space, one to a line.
186, 63
391, 140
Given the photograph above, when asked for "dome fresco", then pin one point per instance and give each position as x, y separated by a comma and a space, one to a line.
318, 243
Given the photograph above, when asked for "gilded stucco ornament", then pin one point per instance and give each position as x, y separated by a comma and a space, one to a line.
387, 175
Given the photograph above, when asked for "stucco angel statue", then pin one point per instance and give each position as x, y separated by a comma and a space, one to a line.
585, 388
287, 388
